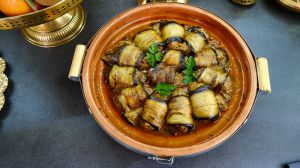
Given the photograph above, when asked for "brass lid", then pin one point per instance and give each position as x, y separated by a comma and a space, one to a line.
291, 4
244, 2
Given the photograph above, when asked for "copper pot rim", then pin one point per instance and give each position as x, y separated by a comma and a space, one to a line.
164, 151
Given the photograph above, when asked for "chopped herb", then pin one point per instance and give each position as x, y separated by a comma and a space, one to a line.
165, 89
189, 71
153, 55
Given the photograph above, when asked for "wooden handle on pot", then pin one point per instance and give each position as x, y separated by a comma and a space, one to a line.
75, 70
263, 75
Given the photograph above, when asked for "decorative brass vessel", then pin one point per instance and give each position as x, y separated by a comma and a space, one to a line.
293, 5
245, 2
49, 27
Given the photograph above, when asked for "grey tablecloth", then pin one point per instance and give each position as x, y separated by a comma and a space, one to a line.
45, 123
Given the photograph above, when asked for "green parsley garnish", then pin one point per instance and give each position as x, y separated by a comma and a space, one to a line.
164, 89
154, 55
189, 70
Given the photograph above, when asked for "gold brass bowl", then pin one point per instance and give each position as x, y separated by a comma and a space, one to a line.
49, 27
293, 5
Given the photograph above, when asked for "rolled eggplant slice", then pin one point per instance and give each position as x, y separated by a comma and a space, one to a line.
172, 30
163, 74
214, 76
174, 58
222, 57
121, 77
133, 116
143, 64
134, 96
130, 55
204, 104
177, 44
196, 39
221, 102
154, 112
180, 112
145, 38
144, 124
127, 55
227, 89
206, 58
140, 77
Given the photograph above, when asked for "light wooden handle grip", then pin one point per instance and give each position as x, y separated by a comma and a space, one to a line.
263, 75
75, 70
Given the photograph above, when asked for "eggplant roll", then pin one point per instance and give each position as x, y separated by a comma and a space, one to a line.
128, 55
175, 44
134, 96
227, 89
172, 30
180, 111
154, 112
121, 77
204, 104
206, 58
196, 40
133, 116
221, 102
222, 57
163, 74
146, 38
175, 58
214, 76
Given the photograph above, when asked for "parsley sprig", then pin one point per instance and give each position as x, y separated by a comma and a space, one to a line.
164, 89
154, 55
189, 70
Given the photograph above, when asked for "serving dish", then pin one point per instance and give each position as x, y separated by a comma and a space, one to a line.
88, 68
52, 26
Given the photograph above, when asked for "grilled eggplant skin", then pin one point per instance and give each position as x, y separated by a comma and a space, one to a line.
163, 74
134, 96
204, 104
196, 41
206, 58
214, 76
133, 116
176, 43
154, 112
130, 55
131, 100
223, 106
222, 57
121, 77
174, 58
145, 38
227, 89
172, 30
180, 111
126, 55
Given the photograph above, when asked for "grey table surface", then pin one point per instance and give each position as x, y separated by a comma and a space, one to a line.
46, 124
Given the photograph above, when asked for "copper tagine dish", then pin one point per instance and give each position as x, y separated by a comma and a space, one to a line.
250, 75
